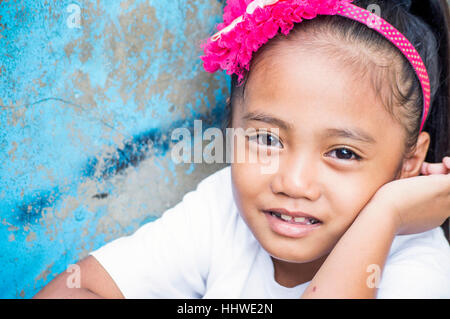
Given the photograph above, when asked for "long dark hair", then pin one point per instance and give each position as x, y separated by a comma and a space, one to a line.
425, 23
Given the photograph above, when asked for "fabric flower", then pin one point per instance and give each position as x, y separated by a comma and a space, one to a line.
233, 50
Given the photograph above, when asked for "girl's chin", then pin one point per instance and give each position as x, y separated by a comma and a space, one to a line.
298, 254
295, 259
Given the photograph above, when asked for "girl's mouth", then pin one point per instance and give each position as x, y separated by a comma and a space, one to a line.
296, 220
291, 226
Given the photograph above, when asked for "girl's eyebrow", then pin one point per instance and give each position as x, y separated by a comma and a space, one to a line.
353, 133
267, 118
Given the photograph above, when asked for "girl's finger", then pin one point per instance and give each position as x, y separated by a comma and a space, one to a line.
437, 168
446, 162
424, 168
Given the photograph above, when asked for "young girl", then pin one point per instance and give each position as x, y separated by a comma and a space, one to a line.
353, 116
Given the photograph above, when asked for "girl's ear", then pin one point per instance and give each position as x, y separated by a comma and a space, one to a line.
413, 164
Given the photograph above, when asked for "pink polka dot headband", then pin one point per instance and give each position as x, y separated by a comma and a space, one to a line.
248, 24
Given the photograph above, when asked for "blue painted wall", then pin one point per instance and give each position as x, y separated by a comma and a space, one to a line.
89, 94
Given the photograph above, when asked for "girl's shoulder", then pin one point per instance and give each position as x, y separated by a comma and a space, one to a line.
220, 178
418, 266
214, 190
421, 243
212, 198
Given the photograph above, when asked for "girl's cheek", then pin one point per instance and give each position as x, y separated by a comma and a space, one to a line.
241, 177
247, 180
350, 198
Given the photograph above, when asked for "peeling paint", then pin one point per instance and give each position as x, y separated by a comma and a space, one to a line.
45, 273
86, 116
31, 237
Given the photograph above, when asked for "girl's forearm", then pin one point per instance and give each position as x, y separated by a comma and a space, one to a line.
73, 293
354, 266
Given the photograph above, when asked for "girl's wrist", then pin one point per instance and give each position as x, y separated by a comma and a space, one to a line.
382, 213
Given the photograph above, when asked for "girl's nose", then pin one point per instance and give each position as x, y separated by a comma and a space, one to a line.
297, 178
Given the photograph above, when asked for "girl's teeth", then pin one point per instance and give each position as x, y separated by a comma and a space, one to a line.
288, 218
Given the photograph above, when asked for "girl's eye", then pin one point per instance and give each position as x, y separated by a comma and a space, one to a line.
346, 154
265, 139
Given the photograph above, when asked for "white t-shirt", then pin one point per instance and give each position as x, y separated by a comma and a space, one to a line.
202, 248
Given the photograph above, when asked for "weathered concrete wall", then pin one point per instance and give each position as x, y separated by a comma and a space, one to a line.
90, 92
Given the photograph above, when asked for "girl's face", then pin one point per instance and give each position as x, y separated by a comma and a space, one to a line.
336, 147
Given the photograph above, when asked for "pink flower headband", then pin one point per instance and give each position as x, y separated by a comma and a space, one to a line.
249, 24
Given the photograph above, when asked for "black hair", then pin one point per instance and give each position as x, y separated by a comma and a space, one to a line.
425, 23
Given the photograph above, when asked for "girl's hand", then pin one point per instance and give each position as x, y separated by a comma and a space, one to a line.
418, 203
439, 168
405, 206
